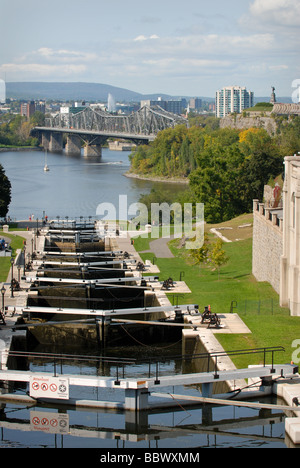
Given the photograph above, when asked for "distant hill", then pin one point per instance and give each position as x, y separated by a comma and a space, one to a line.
68, 91
78, 92
81, 91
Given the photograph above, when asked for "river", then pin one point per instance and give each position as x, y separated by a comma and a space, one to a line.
74, 187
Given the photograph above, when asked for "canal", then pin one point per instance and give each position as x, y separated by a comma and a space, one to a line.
74, 187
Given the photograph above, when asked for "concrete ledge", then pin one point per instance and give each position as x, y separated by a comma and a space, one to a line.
292, 429
288, 390
15, 398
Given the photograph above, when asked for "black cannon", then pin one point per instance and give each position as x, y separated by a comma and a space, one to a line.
210, 318
167, 284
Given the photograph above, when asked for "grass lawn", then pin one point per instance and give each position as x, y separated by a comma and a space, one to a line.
16, 243
257, 303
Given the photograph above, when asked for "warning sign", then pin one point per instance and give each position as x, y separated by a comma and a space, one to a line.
54, 423
49, 387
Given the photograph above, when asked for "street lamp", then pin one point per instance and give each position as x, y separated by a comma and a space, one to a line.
12, 261
24, 257
3, 292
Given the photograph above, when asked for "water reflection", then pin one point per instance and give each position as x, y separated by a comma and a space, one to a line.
195, 427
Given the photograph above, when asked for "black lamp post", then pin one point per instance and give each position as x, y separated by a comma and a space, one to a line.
12, 261
24, 258
3, 292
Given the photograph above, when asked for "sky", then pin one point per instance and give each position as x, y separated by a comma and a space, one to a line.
175, 47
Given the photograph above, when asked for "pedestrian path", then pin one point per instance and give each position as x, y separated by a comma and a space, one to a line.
160, 247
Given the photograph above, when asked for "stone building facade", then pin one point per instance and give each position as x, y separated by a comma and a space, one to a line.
290, 260
276, 239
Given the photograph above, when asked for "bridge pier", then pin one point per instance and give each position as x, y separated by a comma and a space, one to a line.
73, 146
56, 142
92, 150
46, 140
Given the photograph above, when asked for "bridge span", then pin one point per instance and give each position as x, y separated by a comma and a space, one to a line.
94, 127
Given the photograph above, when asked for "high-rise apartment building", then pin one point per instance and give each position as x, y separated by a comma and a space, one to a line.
195, 103
233, 99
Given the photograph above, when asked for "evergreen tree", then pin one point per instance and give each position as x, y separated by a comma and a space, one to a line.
5, 193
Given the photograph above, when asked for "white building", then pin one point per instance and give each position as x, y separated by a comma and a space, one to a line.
290, 260
233, 99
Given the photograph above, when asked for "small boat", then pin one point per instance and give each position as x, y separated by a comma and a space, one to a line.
46, 167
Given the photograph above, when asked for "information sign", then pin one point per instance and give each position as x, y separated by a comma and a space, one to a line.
49, 387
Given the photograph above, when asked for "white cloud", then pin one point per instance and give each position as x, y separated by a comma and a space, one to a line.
142, 38
198, 47
278, 67
34, 70
280, 12
47, 54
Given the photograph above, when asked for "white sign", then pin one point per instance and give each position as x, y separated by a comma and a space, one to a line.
52, 423
49, 387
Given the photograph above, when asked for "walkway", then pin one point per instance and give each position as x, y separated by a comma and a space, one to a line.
160, 247
19, 299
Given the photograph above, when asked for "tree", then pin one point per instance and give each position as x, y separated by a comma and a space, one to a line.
210, 254
202, 255
37, 119
218, 255
5, 193
262, 161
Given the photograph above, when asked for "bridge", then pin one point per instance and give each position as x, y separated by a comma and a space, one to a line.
94, 127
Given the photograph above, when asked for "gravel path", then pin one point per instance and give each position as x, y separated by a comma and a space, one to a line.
160, 248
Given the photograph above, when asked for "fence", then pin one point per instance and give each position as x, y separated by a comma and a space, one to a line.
269, 306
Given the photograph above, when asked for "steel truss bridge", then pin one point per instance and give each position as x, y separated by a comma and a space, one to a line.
95, 126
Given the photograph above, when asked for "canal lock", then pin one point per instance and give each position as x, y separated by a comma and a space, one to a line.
58, 264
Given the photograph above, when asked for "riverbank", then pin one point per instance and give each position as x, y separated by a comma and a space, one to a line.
172, 180
5, 149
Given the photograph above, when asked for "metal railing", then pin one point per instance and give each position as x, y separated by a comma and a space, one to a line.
120, 364
213, 358
61, 359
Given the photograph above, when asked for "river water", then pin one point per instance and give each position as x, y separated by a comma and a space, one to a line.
74, 187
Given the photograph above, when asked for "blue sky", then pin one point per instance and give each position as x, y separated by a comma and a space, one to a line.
178, 47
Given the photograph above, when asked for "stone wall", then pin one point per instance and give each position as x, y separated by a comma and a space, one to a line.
243, 123
267, 244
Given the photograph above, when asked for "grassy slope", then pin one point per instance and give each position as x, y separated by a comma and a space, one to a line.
16, 243
269, 327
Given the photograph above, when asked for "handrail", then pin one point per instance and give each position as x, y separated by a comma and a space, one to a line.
120, 362
215, 355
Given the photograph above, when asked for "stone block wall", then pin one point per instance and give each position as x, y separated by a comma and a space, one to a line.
243, 123
267, 244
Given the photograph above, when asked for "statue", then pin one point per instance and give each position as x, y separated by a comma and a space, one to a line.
273, 96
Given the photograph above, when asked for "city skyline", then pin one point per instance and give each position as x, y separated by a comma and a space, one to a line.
177, 48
